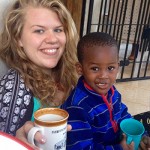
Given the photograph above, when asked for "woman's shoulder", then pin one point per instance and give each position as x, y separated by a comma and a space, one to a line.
13, 79
11, 73
3, 68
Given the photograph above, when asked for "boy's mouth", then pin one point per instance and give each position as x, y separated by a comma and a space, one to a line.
102, 85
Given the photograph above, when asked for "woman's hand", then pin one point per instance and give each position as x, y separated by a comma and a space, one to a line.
39, 138
23, 132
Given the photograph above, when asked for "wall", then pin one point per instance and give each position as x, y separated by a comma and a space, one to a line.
75, 8
4, 4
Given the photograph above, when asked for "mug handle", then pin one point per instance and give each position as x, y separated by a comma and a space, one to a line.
129, 140
31, 135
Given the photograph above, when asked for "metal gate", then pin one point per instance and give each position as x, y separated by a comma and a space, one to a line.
128, 21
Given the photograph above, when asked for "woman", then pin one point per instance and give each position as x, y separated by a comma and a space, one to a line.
39, 44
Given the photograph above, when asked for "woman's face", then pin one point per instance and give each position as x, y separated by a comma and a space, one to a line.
43, 38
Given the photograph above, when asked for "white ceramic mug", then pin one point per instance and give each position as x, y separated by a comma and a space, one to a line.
52, 123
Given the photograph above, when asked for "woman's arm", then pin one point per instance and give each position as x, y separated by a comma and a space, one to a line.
15, 101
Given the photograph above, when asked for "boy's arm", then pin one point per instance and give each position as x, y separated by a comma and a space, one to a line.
124, 112
81, 135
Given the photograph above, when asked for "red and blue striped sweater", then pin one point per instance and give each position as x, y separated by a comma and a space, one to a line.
94, 118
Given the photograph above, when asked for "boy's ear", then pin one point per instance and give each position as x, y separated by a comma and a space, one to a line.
79, 68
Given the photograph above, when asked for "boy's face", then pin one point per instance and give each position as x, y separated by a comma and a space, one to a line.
100, 67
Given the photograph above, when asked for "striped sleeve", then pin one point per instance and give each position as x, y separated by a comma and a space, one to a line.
81, 135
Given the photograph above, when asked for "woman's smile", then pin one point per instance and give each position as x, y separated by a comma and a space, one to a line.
50, 51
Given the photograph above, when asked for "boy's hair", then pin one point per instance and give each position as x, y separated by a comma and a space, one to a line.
94, 39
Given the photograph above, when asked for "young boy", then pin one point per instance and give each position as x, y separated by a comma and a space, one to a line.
95, 108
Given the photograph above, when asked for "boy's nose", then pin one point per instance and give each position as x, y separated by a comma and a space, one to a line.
103, 74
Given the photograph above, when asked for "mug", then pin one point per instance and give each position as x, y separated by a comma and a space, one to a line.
133, 130
52, 123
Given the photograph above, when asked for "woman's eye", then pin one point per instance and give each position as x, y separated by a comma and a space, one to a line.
58, 30
111, 68
39, 31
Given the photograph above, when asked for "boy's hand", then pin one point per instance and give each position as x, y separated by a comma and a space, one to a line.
145, 143
124, 145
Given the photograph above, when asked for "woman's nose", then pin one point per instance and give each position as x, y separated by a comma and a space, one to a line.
50, 37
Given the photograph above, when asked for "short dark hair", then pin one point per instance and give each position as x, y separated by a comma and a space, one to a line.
94, 39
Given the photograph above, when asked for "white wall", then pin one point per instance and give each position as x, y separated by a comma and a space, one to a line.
4, 4
95, 17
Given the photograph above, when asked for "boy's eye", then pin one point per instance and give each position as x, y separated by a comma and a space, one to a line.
110, 68
95, 68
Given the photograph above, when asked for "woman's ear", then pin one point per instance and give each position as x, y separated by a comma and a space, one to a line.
20, 43
79, 68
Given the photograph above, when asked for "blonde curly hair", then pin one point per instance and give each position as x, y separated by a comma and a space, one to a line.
43, 85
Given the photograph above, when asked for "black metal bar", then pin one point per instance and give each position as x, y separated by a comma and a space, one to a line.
137, 35
82, 18
143, 14
112, 16
129, 31
107, 21
148, 39
148, 57
119, 24
100, 16
122, 23
103, 21
114, 22
125, 8
90, 16
133, 79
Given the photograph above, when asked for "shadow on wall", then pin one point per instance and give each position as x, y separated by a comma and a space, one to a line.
3, 68
4, 5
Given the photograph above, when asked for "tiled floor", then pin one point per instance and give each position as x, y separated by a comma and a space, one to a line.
136, 95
